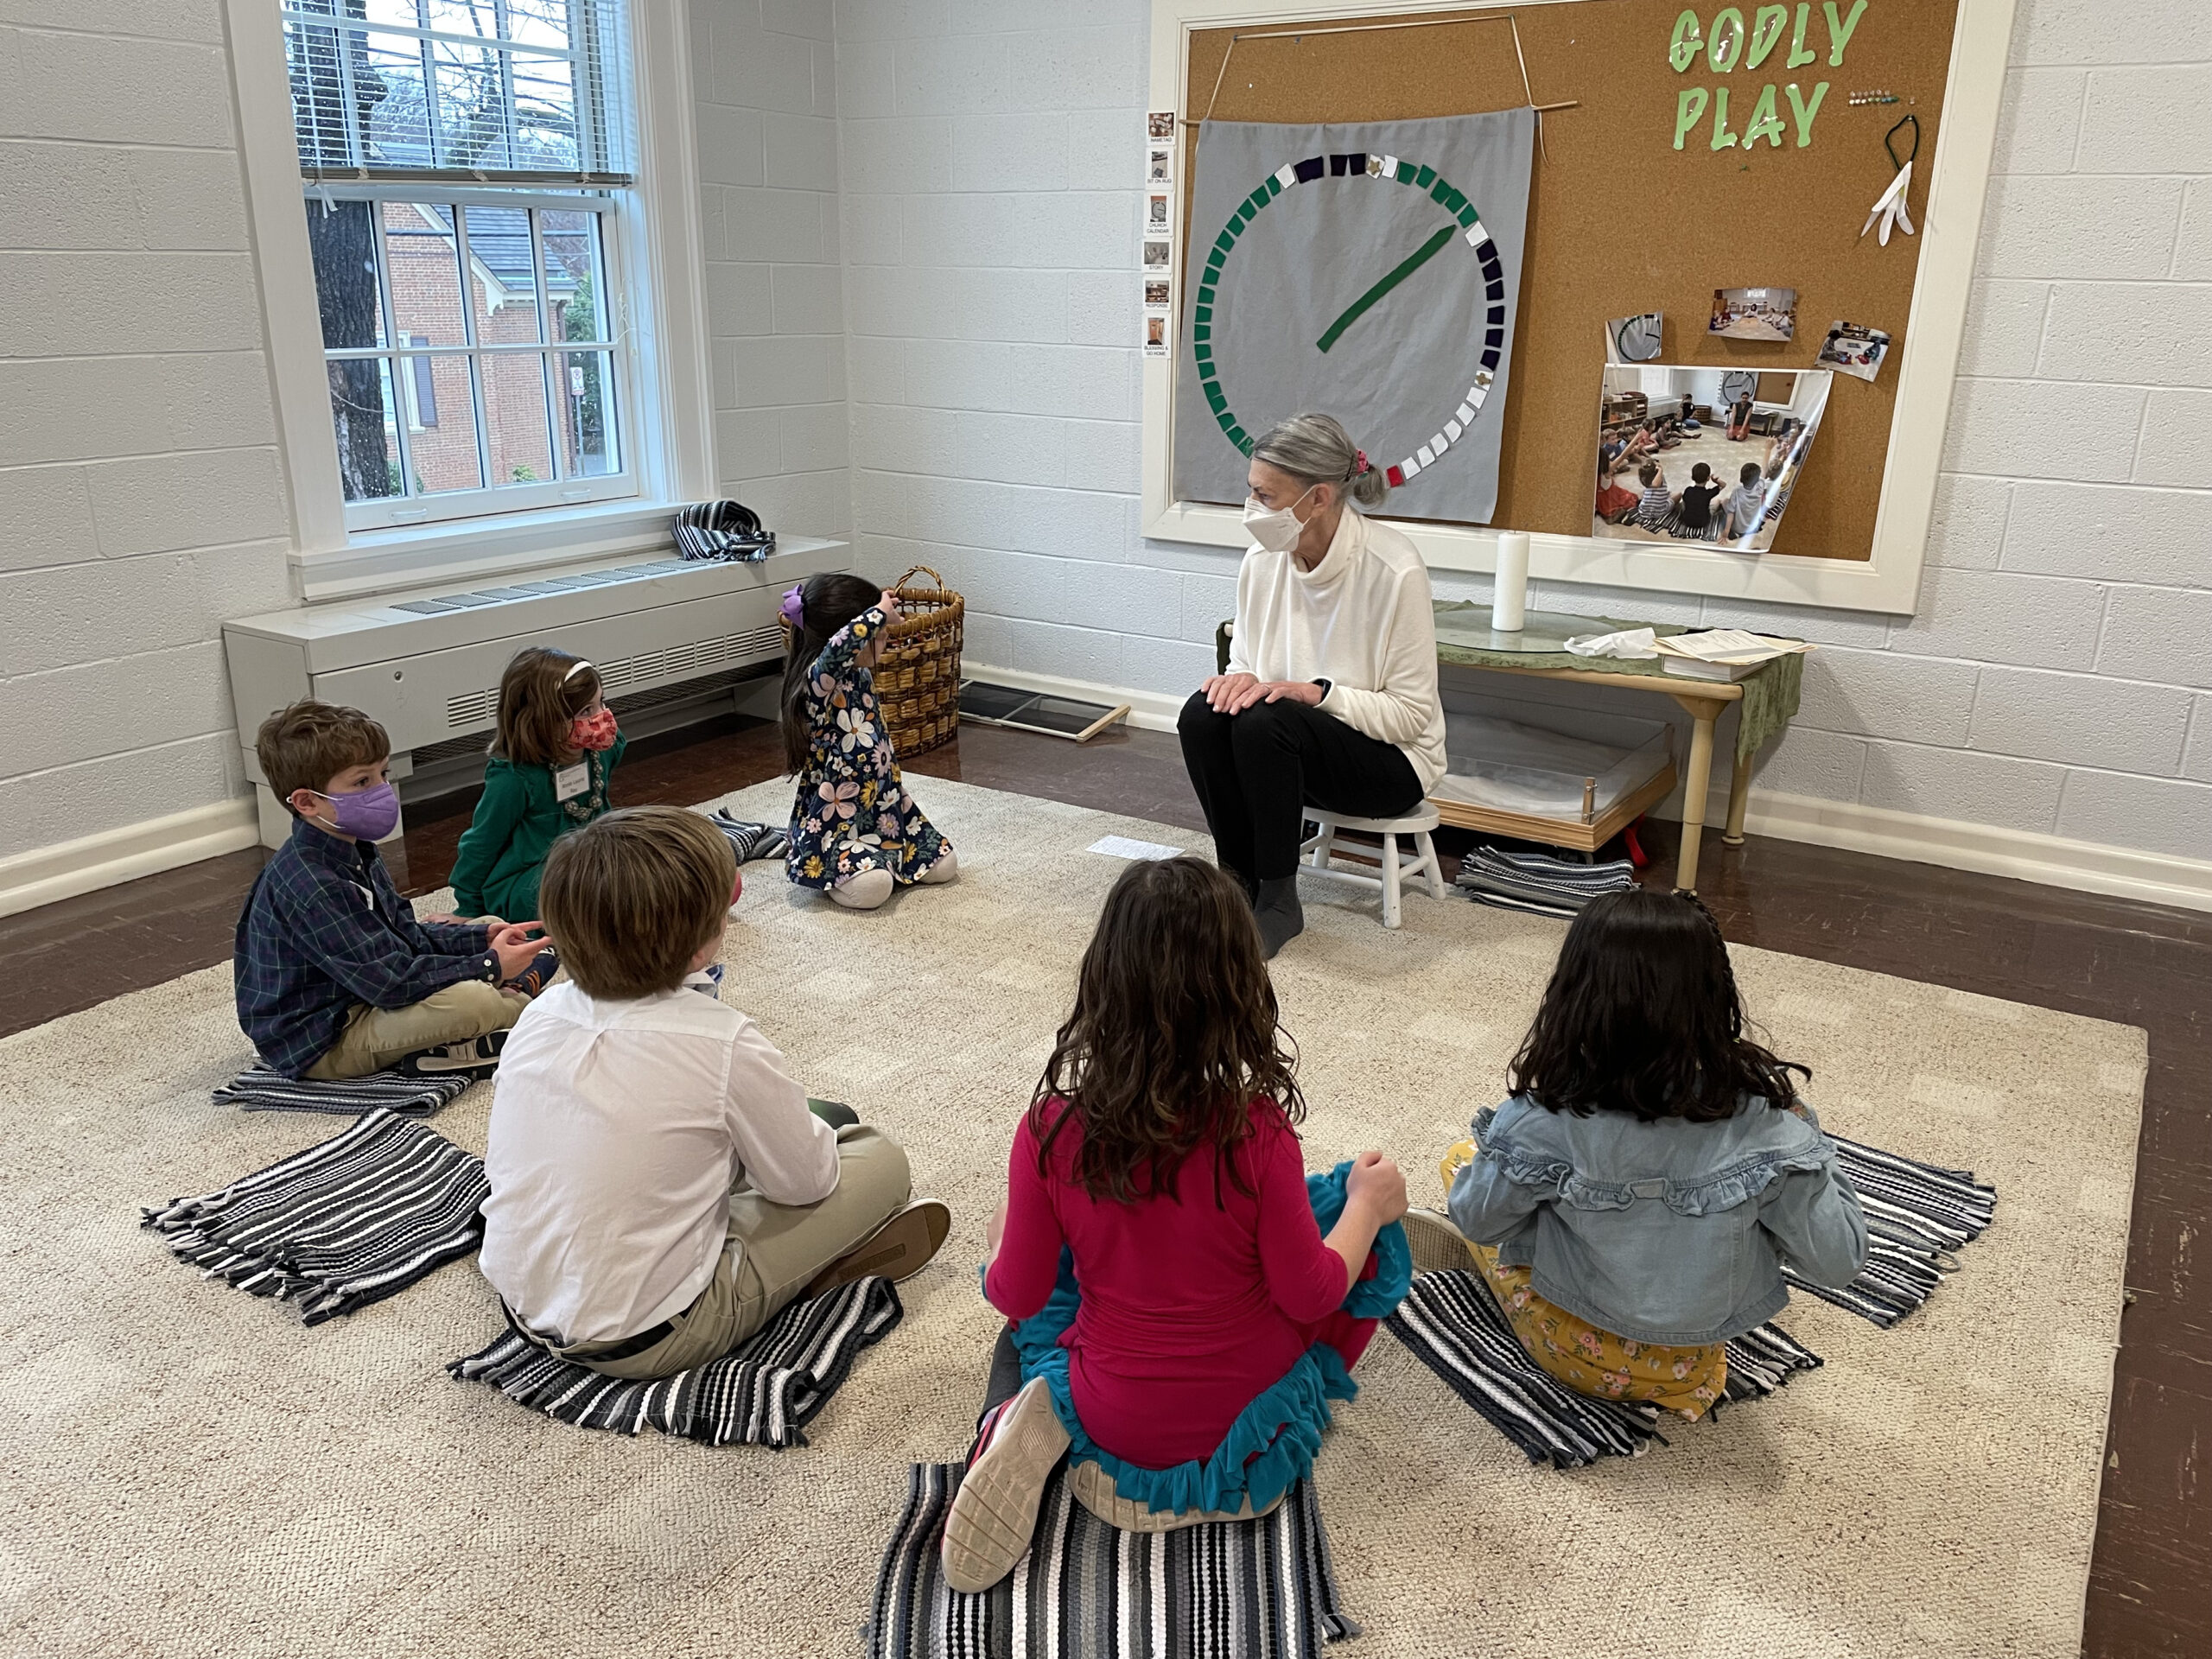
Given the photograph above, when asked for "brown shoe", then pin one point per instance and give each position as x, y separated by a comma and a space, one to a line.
899, 1250
994, 1511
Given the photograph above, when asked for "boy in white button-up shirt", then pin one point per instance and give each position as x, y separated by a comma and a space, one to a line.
660, 1189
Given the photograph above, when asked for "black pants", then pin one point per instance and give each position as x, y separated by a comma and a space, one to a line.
1256, 772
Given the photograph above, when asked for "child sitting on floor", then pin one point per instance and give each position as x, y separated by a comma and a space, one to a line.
1631, 1206
1180, 1319
659, 1188
856, 832
334, 976
555, 750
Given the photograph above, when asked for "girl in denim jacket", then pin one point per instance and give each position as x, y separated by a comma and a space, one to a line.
1631, 1205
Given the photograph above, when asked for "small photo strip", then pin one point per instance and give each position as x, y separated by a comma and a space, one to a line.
1160, 126
1158, 164
1156, 295
1155, 333
1157, 255
1155, 214
1854, 349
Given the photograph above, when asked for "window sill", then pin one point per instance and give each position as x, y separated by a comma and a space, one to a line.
386, 560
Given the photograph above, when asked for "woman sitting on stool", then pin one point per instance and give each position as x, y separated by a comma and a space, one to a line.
1330, 699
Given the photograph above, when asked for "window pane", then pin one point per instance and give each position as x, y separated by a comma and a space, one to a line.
545, 112
360, 401
586, 399
441, 425
514, 418
418, 241
572, 274
387, 82
502, 281
341, 238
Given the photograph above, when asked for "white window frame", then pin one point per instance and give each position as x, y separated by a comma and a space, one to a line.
1889, 581
656, 302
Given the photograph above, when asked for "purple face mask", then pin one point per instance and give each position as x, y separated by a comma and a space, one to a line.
367, 814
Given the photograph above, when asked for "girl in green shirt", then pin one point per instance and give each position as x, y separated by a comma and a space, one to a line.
555, 749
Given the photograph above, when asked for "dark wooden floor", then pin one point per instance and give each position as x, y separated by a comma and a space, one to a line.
2151, 1583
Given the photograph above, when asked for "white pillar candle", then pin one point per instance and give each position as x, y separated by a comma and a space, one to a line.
1508, 605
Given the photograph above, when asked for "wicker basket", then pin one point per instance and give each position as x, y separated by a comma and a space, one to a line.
917, 677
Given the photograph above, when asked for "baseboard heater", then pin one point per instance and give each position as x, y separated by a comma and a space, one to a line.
665, 634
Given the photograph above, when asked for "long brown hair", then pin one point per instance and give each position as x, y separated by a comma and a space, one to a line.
829, 598
1174, 1034
539, 700
1642, 1017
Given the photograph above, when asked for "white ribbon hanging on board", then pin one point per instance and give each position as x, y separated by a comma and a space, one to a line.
1889, 208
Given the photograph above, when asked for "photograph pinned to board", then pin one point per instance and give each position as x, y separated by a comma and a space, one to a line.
1754, 313
1155, 295
1160, 126
1156, 255
1155, 214
1155, 333
1634, 339
1158, 165
1854, 349
1703, 454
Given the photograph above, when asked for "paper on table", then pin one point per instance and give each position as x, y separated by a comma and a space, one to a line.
1728, 645
1627, 643
1122, 847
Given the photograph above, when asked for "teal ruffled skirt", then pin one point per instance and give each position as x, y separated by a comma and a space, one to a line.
1272, 1442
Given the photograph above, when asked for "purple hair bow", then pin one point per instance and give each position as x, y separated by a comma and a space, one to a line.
793, 609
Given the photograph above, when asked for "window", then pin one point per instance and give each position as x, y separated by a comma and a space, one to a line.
466, 170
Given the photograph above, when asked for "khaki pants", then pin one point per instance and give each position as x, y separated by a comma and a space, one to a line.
374, 1037
773, 1251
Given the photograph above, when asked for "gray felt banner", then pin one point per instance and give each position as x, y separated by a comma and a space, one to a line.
1370, 271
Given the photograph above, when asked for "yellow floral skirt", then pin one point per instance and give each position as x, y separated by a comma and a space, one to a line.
1586, 1359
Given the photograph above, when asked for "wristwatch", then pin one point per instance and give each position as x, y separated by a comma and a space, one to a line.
1326, 686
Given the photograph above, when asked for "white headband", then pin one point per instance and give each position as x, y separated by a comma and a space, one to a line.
577, 669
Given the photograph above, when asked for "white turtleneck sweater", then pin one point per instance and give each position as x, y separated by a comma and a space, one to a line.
1361, 619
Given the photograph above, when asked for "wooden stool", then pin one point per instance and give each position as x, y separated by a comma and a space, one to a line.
1318, 852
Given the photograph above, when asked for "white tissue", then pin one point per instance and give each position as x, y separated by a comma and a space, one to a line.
1629, 642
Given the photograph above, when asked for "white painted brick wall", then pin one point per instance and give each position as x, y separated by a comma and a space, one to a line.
2054, 678
142, 500
764, 98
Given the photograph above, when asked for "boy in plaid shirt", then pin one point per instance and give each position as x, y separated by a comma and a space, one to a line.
335, 978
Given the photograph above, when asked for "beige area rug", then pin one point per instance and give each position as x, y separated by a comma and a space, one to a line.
192, 1471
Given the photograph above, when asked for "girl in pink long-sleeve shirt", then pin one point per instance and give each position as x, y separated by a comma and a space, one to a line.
1179, 1320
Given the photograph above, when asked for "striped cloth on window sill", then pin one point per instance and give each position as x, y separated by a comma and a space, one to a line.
340, 1226
1537, 882
257, 1089
763, 1392
1260, 1589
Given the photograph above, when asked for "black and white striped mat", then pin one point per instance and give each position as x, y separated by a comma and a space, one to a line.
1454, 1326
1260, 1589
257, 1089
763, 1392
1537, 883
1918, 1215
345, 1223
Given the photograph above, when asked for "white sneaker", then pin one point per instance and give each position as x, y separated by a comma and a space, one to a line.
866, 891
994, 1511
946, 868
1438, 1246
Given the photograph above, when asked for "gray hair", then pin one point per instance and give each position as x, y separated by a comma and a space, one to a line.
1316, 449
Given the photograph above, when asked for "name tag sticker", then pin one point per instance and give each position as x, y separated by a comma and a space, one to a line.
571, 781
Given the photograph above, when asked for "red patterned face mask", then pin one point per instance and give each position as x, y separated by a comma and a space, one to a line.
593, 732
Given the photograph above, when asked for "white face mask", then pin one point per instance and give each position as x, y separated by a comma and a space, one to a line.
1277, 530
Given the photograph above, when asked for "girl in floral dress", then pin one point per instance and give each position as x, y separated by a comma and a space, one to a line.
855, 831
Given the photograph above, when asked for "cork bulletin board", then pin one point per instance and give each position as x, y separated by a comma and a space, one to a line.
1621, 221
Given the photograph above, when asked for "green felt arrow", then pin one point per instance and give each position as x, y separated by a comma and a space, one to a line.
1358, 306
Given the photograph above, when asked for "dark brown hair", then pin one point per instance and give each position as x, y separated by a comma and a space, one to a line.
829, 599
306, 745
538, 701
1641, 1016
1174, 1034
631, 896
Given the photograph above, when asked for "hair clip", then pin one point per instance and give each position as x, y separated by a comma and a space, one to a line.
793, 609
1360, 465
